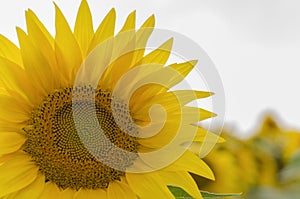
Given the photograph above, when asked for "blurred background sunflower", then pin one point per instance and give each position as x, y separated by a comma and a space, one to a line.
263, 166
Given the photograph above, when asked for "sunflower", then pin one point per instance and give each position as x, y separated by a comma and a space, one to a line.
49, 148
287, 141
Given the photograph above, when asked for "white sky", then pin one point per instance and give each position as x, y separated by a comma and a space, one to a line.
255, 44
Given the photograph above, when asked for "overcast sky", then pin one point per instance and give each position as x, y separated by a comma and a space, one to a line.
255, 44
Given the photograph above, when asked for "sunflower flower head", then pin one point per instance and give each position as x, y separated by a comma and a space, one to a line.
88, 114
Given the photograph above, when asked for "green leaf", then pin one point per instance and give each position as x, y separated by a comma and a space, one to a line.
206, 194
291, 171
179, 193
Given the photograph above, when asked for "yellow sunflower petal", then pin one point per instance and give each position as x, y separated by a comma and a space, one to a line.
123, 52
16, 174
3, 91
195, 114
67, 50
130, 22
10, 51
182, 96
83, 30
147, 96
147, 185
183, 69
118, 190
7, 157
136, 80
15, 79
10, 142
41, 38
204, 135
186, 96
125, 41
51, 191
67, 193
12, 110
35, 64
142, 96
136, 44
168, 77
159, 55
142, 37
145, 31
10, 126
118, 69
149, 23
32, 191
105, 30
31, 16
192, 163
90, 194
183, 180
162, 138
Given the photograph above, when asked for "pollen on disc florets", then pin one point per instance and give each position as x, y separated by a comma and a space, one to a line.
57, 149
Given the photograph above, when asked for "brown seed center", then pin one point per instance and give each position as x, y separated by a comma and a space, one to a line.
55, 146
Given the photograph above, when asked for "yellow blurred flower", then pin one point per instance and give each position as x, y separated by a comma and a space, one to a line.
253, 165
